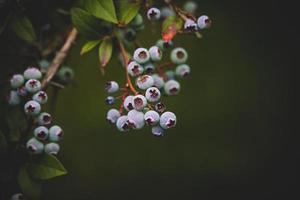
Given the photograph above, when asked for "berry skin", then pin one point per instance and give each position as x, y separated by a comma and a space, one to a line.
141, 55
110, 100
163, 45
151, 117
128, 103
34, 146
136, 119
18, 196
129, 34
153, 14
170, 74
135, 69
183, 70
113, 115
160, 107
190, 7
167, 12
137, 21
144, 82
204, 22
190, 26
44, 64
152, 94
55, 134
13, 98
41, 133
33, 85
179, 55
52, 148
65, 74
172, 87
167, 120
44, 119
149, 68
32, 108
32, 73
155, 53
157, 131
41, 97
158, 81
122, 124
139, 102
111, 87
16, 81
22, 91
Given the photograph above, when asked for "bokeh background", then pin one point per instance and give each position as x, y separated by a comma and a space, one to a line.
235, 135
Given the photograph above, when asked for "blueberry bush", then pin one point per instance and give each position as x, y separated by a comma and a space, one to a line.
29, 136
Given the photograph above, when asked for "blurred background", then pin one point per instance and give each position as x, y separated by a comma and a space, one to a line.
235, 136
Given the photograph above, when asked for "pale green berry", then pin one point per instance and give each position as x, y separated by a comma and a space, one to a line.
13, 98
155, 53
65, 74
172, 87
33, 85
32, 108
52, 148
34, 146
179, 55
41, 133
40, 97
16, 81
55, 134
183, 70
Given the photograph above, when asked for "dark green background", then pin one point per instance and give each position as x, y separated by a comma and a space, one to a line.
235, 135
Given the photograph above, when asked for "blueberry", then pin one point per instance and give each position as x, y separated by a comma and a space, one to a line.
122, 124
190, 7
151, 117
34, 146
22, 91
44, 119
32, 73
157, 131
163, 45
40, 97
158, 81
170, 74
160, 107
113, 115
149, 68
65, 74
32, 108
183, 70
17, 196
111, 86
130, 34
168, 120
52, 148
135, 69
136, 119
110, 100
41, 133
155, 53
167, 12
141, 55
190, 26
13, 98
137, 21
139, 102
55, 133
204, 22
179, 55
33, 85
16, 81
44, 64
152, 94
144, 82
172, 87
128, 103
153, 14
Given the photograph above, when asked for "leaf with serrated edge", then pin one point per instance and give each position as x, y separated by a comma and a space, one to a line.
128, 11
31, 188
89, 46
105, 51
103, 9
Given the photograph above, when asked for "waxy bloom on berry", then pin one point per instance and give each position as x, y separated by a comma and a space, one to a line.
136, 119
111, 87
172, 87
16, 81
33, 85
52, 148
157, 131
41, 133
155, 53
204, 22
40, 97
135, 69
55, 134
13, 98
128, 103
123, 124
113, 115
32, 108
32, 73
158, 81
153, 14
152, 94
179, 55
141, 55
139, 102
182, 70
190, 26
34, 146
144, 82
151, 117
168, 120
44, 119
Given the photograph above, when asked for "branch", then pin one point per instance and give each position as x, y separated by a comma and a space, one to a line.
59, 58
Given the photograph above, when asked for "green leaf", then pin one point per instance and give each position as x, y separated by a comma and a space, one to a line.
46, 167
105, 51
128, 11
23, 28
85, 23
172, 21
103, 9
31, 188
89, 46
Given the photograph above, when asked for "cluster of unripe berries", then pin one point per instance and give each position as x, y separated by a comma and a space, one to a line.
27, 89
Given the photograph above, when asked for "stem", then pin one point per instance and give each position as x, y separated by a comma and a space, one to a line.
59, 58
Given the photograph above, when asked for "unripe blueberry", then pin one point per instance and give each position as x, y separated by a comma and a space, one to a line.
157, 131
44, 64
160, 107
167, 12
52, 148
113, 115
129, 34
32, 73
13, 98
55, 133
33, 85
155, 53
65, 74
144, 82
158, 81
41, 133
122, 123
190, 25
16, 81
139, 102
44, 119
136, 119
18, 196
163, 45
34, 146
137, 21
204, 22
170, 74
22, 91
111, 87
172, 87
135, 69
153, 14
128, 103
151, 117
40, 97
141, 55
152, 94
183, 70
168, 120
190, 7
179, 55
110, 100
149, 68
32, 108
